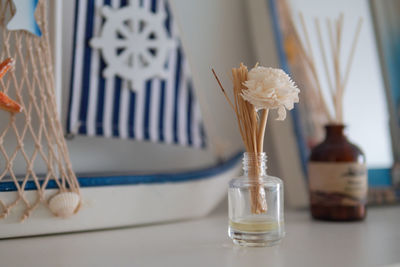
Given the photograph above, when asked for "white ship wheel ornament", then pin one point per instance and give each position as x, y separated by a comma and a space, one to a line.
134, 43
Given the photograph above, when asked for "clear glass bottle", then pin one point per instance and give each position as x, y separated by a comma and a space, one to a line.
256, 205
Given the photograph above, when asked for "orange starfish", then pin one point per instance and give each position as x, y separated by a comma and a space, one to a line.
7, 103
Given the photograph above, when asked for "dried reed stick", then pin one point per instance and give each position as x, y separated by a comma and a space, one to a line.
252, 131
333, 51
324, 58
223, 90
339, 88
335, 40
261, 130
352, 52
312, 66
308, 42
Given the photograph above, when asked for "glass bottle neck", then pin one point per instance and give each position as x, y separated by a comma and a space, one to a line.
335, 132
254, 164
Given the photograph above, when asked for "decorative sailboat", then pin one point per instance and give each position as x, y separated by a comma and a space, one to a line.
130, 79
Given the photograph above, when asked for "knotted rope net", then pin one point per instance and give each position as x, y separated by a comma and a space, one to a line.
32, 146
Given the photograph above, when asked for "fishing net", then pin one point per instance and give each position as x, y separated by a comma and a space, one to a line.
33, 151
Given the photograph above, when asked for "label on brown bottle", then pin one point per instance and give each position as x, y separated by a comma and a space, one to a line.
338, 183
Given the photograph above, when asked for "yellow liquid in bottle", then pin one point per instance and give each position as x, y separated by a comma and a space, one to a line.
255, 226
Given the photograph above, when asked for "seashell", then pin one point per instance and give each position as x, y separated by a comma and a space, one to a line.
65, 204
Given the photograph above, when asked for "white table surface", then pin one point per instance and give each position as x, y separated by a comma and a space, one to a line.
204, 242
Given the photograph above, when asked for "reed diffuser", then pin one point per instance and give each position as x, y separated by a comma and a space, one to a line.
337, 170
256, 199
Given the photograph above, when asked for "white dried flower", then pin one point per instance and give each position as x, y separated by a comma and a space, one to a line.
269, 88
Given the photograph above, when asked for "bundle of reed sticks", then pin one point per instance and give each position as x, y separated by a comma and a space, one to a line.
336, 79
252, 130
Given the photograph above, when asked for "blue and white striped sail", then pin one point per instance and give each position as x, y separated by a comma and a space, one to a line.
162, 108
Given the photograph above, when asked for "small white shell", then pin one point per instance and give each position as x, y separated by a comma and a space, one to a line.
64, 204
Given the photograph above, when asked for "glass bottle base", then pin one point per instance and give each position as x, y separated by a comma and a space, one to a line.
256, 239
338, 212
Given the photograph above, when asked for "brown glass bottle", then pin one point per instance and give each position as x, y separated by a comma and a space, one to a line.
337, 178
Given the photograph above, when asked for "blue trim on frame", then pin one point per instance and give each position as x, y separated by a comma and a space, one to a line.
302, 147
379, 177
132, 179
